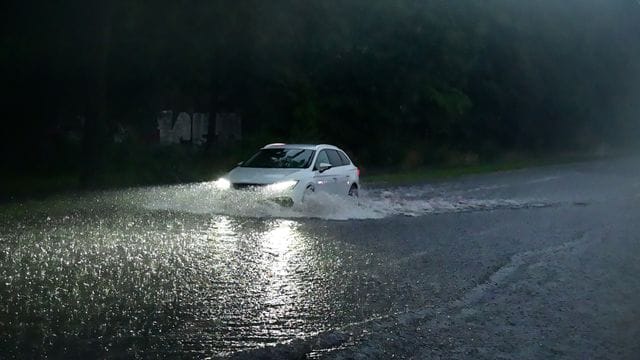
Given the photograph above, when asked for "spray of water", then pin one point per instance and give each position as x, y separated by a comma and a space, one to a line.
376, 203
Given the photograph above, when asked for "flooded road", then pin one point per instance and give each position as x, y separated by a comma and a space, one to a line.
524, 264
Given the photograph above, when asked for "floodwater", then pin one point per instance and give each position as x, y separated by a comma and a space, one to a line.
189, 271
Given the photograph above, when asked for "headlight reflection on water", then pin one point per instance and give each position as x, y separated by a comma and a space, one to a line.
280, 287
255, 294
281, 236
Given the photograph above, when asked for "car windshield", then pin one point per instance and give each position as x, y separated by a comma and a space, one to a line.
280, 158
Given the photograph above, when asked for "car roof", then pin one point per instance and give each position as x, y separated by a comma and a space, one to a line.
300, 146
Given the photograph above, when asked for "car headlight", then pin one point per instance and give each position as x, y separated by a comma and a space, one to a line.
282, 186
222, 184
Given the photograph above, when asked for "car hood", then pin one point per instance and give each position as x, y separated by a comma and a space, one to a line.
260, 175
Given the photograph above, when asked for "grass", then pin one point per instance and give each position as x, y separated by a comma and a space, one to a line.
447, 171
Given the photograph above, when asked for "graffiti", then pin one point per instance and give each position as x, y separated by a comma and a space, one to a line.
199, 128
186, 128
194, 128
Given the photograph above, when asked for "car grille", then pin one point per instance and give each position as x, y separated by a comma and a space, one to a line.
247, 186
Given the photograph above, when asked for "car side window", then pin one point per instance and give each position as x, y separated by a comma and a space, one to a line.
344, 158
334, 158
322, 158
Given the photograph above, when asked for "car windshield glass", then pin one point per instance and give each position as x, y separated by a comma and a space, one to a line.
280, 158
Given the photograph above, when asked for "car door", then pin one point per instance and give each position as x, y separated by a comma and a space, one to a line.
340, 175
326, 180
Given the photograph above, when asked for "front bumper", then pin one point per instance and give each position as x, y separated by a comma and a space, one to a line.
286, 198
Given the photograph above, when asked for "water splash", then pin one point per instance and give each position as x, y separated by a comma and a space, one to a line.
204, 198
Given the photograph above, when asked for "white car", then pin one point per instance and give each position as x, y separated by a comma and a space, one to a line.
289, 173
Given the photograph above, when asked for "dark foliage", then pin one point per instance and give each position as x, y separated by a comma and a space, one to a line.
394, 82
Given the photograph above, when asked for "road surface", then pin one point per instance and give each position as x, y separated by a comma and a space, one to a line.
535, 263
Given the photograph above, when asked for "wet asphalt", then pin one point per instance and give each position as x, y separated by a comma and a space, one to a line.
535, 263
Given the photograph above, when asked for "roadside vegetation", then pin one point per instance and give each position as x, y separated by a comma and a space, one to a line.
176, 167
400, 85
452, 170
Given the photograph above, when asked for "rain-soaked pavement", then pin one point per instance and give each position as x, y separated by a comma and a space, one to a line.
533, 263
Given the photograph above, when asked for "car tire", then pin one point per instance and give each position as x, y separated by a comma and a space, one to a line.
353, 190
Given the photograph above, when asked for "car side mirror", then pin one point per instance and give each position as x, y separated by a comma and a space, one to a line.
322, 167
